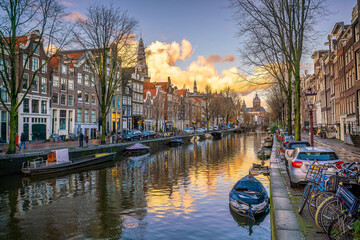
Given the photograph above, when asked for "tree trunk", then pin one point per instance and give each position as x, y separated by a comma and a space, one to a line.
297, 126
289, 113
13, 127
103, 127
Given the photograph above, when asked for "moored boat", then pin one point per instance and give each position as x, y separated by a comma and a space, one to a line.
208, 136
176, 142
216, 135
268, 139
58, 161
257, 169
268, 144
137, 149
195, 139
264, 153
249, 198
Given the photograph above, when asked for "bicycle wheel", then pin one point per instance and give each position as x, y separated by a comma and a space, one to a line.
316, 200
318, 211
340, 228
331, 210
305, 196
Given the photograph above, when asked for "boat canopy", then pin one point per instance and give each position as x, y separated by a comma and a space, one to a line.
137, 146
249, 183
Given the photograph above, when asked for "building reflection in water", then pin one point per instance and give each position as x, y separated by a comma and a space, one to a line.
176, 188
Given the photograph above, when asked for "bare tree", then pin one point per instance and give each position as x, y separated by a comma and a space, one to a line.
22, 21
108, 36
285, 23
206, 107
276, 102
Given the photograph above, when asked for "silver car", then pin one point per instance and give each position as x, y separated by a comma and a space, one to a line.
292, 145
300, 160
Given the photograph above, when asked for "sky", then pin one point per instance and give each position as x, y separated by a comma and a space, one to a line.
196, 39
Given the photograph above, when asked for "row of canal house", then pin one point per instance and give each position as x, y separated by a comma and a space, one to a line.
62, 99
336, 80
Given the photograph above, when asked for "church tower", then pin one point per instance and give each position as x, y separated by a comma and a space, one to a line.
195, 87
141, 66
243, 107
256, 103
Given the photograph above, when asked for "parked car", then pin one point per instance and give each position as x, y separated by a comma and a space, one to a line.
204, 129
292, 145
199, 130
189, 130
300, 160
135, 134
211, 128
149, 134
216, 128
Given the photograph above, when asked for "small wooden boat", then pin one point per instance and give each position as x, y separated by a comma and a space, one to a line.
195, 139
249, 198
268, 145
137, 149
58, 161
257, 169
264, 154
176, 142
216, 135
268, 139
208, 136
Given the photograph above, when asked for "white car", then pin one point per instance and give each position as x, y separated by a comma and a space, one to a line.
189, 130
210, 128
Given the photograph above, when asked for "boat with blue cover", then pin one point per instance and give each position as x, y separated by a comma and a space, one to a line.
176, 142
249, 198
137, 149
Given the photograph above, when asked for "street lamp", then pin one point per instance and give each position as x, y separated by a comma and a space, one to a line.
194, 125
310, 97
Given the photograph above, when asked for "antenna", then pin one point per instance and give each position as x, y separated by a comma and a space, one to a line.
140, 32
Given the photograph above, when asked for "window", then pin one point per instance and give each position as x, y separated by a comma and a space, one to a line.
26, 105
24, 61
79, 115
35, 64
124, 100
43, 85
127, 90
93, 99
129, 111
43, 107
55, 98
56, 82
70, 100
108, 71
62, 124
63, 84
92, 81
86, 116
86, 68
43, 69
87, 80
63, 99
124, 111
118, 102
63, 69
35, 84
92, 116
36, 47
86, 98
80, 78
35, 106
79, 96
71, 84
25, 81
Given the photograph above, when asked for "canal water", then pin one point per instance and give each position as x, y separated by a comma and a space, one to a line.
175, 193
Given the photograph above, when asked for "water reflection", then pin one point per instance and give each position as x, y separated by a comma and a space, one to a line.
175, 193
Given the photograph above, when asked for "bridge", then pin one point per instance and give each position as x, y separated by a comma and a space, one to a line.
253, 127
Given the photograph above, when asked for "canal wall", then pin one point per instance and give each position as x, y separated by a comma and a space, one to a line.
284, 223
11, 164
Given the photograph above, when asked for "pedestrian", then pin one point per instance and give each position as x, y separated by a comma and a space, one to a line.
87, 140
81, 140
22, 141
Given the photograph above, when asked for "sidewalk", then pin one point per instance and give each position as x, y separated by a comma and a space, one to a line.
284, 222
333, 142
43, 146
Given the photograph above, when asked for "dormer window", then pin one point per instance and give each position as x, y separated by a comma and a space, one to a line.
36, 48
63, 69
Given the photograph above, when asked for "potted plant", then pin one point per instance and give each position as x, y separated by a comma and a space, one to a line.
51, 138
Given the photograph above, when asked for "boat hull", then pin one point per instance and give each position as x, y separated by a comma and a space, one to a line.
74, 164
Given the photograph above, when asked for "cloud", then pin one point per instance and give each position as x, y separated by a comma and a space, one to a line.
214, 58
68, 4
75, 15
162, 58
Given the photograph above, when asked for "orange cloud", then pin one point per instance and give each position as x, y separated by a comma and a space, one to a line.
162, 58
67, 4
214, 58
74, 15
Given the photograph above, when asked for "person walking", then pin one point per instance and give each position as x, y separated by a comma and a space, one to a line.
22, 141
81, 140
87, 140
